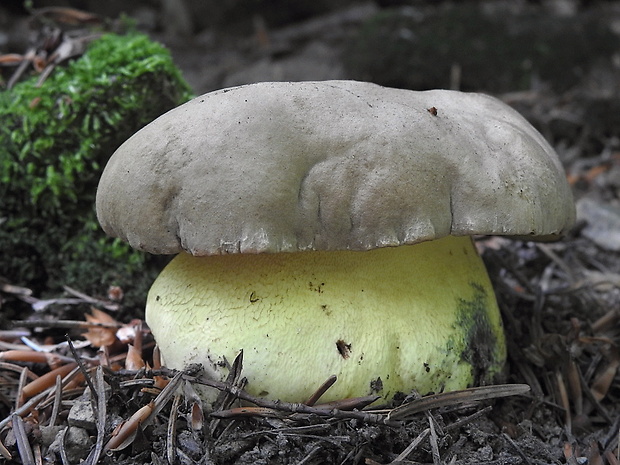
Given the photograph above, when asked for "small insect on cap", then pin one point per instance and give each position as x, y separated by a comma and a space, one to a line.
333, 165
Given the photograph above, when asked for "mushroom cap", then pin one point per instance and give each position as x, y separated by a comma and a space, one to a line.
331, 165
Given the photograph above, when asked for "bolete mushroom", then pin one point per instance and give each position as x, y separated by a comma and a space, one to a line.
325, 228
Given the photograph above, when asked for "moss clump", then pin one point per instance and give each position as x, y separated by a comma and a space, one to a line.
55, 140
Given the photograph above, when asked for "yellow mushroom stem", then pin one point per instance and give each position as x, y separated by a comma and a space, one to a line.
393, 319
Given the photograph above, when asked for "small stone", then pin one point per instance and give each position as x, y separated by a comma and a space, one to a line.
49, 433
603, 223
81, 415
76, 443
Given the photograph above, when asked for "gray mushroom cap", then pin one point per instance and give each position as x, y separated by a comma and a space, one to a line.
332, 165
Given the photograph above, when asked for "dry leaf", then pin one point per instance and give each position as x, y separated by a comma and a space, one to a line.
134, 359
99, 336
601, 384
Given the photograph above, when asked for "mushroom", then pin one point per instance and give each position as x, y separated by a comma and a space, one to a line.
325, 228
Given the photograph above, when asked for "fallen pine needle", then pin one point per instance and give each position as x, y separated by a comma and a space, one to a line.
127, 430
21, 437
124, 435
48, 379
95, 453
445, 399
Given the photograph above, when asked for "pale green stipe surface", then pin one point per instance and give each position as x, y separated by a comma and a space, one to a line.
387, 320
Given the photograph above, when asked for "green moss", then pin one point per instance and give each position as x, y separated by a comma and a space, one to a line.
54, 142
